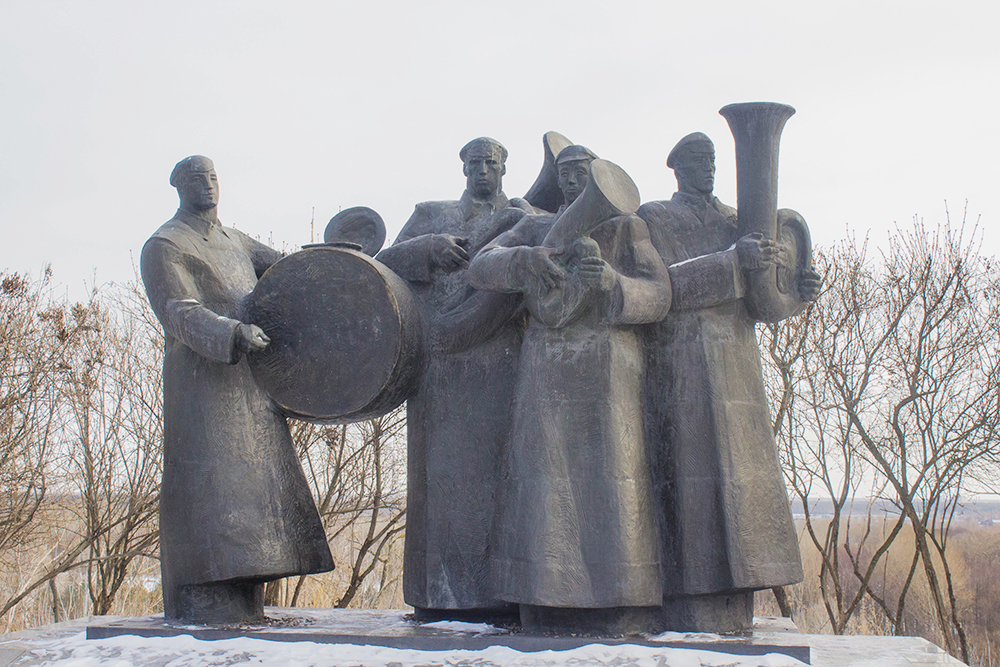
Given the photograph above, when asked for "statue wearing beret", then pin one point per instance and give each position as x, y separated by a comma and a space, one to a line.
235, 507
575, 541
459, 417
726, 529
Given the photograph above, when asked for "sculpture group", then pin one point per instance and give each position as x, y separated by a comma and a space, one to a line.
589, 442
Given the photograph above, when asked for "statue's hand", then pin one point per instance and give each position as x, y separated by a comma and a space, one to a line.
809, 284
251, 338
449, 252
536, 266
756, 252
596, 273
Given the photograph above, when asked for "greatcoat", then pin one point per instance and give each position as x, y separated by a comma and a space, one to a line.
458, 419
576, 525
725, 519
234, 502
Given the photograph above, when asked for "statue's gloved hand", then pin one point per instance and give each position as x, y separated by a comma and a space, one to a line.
536, 267
756, 252
810, 283
251, 338
596, 273
449, 252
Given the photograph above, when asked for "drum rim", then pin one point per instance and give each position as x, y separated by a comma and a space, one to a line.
384, 382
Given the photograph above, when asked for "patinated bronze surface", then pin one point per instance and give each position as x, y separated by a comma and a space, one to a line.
346, 340
575, 528
235, 509
458, 419
589, 441
725, 526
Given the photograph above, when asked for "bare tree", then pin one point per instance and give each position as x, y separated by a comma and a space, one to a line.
113, 396
898, 390
357, 473
29, 358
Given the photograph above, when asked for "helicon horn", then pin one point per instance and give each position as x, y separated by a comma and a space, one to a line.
610, 192
772, 293
545, 193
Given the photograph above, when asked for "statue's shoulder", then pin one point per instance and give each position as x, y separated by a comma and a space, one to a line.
432, 209
175, 232
662, 211
523, 204
727, 211
531, 229
431, 217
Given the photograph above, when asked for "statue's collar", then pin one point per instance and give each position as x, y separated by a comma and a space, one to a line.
470, 205
697, 202
198, 223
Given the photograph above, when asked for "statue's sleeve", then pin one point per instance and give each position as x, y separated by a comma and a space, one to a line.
706, 281
642, 290
410, 254
699, 282
262, 256
175, 299
494, 268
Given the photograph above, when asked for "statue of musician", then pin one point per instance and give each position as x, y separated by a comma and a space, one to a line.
235, 507
726, 528
575, 535
459, 417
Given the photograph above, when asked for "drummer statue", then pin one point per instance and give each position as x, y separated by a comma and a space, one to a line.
235, 507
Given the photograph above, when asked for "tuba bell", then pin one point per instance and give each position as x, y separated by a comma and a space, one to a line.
545, 194
610, 192
772, 293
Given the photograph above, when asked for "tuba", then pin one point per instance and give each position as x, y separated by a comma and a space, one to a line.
772, 293
545, 194
610, 192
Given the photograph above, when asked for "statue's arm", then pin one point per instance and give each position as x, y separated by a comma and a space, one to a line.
262, 256
707, 281
175, 299
696, 283
495, 267
642, 289
410, 255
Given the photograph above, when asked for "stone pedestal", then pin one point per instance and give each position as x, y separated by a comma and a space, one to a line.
345, 637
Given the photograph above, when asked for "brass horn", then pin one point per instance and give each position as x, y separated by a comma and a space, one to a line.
610, 193
545, 193
772, 293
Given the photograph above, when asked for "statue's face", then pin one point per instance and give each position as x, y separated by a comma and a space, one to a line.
696, 172
573, 178
483, 174
199, 190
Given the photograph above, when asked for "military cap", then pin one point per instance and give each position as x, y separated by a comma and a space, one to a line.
194, 163
695, 141
486, 146
575, 152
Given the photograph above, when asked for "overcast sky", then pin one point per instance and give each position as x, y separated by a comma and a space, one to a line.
328, 105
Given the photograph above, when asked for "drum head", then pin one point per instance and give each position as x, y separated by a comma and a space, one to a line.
360, 225
345, 335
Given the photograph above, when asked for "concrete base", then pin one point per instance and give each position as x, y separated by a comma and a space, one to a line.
62, 644
219, 603
395, 629
727, 614
503, 616
601, 622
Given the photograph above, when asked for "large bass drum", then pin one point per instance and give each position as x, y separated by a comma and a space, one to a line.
345, 332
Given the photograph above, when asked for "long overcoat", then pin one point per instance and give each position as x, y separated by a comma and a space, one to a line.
576, 525
725, 520
458, 419
234, 503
